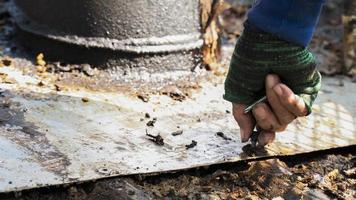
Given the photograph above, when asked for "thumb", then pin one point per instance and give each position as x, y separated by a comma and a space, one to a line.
246, 122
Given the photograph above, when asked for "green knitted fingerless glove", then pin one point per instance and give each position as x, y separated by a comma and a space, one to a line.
258, 54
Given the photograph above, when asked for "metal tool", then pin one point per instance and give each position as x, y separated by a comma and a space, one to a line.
250, 107
255, 133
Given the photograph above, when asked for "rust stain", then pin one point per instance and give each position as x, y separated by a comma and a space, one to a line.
34, 142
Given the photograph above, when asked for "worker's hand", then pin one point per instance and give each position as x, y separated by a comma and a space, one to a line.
284, 106
256, 54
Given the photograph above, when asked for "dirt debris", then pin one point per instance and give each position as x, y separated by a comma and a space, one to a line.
40, 84
191, 145
57, 87
9, 81
144, 97
178, 132
151, 122
174, 92
351, 173
252, 150
7, 62
157, 139
4, 78
41, 69
222, 135
254, 138
87, 70
261, 180
85, 99
58, 67
40, 60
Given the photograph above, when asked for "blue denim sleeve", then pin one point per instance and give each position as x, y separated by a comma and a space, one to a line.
291, 20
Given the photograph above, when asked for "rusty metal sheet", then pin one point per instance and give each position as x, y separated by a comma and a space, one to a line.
50, 138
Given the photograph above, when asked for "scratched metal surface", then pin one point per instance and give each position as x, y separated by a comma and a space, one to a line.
50, 138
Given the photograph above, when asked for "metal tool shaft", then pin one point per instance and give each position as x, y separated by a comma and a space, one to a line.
250, 107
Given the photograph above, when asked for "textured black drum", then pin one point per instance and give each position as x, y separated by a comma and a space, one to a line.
139, 35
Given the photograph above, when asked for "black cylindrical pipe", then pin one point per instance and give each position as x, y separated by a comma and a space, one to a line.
149, 35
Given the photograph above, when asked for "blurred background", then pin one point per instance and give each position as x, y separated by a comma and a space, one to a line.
331, 43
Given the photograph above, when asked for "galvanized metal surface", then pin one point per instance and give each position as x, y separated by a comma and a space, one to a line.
50, 138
